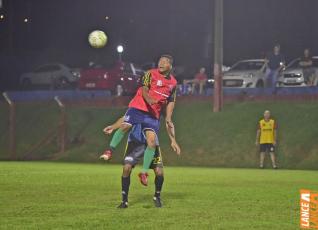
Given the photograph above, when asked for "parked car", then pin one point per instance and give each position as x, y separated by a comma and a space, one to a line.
210, 82
54, 75
293, 74
246, 74
122, 78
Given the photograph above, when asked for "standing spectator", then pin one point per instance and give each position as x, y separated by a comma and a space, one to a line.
266, 138
275, 63
307, 65
200, 80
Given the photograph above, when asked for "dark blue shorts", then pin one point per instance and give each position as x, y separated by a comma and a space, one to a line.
135, 116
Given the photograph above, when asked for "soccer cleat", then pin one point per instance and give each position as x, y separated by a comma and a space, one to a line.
157, 202
123, 205
275, 167
107, 155
143, 177
261, 166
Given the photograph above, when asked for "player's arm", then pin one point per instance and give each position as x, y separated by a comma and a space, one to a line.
258, 134
275, 133
109, 129
146, 81
305, 63
169, 124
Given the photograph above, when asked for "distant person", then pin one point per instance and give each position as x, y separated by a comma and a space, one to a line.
266, 138
307, 65
275, 63
200, 80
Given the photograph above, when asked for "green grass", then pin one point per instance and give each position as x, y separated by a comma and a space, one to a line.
84, 196
223, 139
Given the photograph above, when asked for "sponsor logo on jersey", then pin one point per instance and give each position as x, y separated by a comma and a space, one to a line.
159, 83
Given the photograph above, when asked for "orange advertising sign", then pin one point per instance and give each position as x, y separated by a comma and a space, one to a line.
308, 209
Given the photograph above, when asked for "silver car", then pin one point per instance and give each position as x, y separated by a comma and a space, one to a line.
293, 74
246, 74
53, 75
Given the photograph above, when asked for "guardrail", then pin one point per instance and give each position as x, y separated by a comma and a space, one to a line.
77, 95
48, 95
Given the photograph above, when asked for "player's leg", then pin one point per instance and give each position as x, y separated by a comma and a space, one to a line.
119, 135
125, 184
133, 155
262, 155
202, 84
273, 157
116, 139
132, 116
157, 166
148, 156
159, 179
150, 150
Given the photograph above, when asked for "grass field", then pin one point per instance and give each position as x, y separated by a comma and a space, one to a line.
41, 195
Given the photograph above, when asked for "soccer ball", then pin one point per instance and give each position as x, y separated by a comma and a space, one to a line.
97, 39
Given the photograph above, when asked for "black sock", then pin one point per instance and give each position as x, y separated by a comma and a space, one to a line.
125, 183
158, 183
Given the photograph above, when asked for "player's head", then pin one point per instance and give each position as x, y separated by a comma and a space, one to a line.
277, 48
165, 63
267, 114
306, 52
202, 70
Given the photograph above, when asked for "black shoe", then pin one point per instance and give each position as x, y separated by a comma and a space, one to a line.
275, 167
123, 205
261, 166
157, 202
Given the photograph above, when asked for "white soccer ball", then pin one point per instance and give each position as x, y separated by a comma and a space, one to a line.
97, 39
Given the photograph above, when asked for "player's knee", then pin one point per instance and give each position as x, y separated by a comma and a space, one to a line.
127, 170
158, 171
125, 127
151, 142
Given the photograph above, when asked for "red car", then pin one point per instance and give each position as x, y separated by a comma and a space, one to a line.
121, 79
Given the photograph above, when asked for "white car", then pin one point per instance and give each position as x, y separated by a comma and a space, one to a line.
293, 74
53, 75
246, 74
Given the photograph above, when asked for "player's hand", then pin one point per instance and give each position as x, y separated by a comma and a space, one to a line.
176, 147
108, 130
274, 143
256, 143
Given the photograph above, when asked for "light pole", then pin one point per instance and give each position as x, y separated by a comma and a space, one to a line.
218, 56
120, 50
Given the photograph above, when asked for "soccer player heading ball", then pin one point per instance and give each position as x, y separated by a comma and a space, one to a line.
158, 92
134, 152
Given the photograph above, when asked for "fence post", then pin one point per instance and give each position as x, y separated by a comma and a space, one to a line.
12, 126
62, 125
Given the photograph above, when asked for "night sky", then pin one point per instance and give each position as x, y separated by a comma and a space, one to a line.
57, 31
